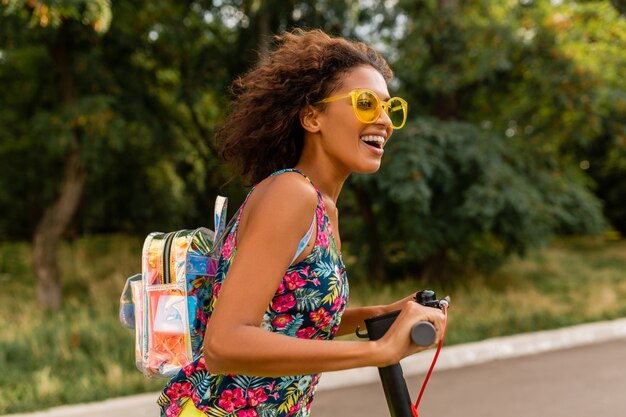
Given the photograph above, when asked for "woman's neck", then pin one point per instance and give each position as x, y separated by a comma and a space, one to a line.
328, 181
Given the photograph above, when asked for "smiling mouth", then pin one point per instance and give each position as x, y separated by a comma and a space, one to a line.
374, 141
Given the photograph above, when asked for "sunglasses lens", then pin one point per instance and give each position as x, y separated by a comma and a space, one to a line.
397, 112
367, 107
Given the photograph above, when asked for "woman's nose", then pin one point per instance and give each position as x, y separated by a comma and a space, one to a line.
384, 121
383, 118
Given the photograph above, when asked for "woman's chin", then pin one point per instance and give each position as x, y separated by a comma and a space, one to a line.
369, 168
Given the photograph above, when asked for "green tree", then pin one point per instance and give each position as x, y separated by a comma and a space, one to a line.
119, 136
71, 119
150, 84
508, 80
120, 125
463, 196
598, 48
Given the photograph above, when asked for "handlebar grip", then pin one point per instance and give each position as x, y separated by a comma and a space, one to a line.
423, 333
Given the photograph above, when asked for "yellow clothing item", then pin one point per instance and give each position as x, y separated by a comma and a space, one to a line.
190, 410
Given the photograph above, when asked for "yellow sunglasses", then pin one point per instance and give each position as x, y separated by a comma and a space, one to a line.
367, 106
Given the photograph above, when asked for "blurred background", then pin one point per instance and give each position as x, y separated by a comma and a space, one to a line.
506, 189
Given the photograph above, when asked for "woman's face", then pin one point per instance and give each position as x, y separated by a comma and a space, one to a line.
349, 143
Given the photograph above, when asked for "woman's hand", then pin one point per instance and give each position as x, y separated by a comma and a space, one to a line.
396, 344
398, 305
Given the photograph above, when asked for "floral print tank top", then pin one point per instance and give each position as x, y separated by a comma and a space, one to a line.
307, 304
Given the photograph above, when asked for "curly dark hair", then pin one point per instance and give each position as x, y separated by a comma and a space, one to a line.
263, 133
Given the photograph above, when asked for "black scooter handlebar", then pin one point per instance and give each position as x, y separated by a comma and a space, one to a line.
423, 333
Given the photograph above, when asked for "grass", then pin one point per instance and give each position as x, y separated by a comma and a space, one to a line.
81, 353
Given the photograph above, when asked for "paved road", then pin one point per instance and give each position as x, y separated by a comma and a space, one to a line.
572, 372
585, 381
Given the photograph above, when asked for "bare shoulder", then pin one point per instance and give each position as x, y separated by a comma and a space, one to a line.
288, 200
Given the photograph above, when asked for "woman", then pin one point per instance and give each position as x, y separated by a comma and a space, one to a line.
304, 119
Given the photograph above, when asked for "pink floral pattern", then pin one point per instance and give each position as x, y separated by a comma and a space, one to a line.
307, 304
232, 400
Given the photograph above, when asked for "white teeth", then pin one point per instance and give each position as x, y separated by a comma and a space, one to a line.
373, 138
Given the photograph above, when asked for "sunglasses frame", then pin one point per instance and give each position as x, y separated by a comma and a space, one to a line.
354, 95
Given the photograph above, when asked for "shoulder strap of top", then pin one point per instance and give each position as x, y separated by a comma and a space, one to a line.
299, 172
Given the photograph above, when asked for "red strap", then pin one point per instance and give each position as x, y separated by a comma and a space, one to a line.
432, 365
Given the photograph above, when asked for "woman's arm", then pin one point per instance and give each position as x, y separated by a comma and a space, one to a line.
277, 214
355, 316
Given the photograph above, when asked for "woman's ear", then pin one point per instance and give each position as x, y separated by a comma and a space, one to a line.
309, 119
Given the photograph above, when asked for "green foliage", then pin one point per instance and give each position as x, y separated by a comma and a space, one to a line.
150, 91
620, 6
25, 158
530, 108
548, 75
134, 129
510, 66
95, 13
513, 99
478, 198
598, 48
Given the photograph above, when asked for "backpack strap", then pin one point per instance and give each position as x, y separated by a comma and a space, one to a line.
221, 207
221, 228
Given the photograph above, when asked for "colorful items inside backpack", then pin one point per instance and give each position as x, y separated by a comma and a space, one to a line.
166, 304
